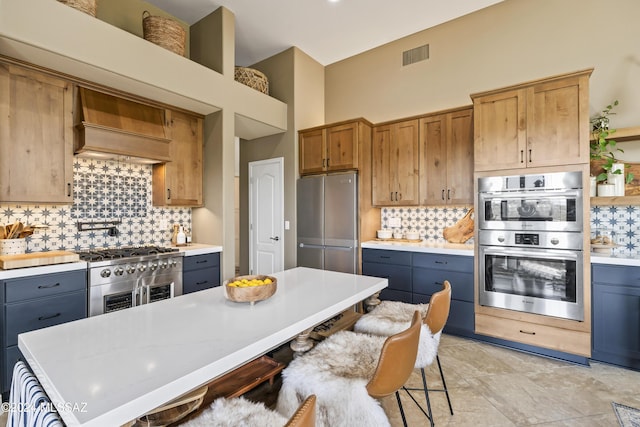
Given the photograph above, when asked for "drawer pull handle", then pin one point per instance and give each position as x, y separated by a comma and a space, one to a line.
41, 318
385, 257
441, 262
202, 262
202, 283
527, 332
48, 286
438, 283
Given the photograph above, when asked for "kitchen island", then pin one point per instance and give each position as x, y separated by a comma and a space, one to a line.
117, 366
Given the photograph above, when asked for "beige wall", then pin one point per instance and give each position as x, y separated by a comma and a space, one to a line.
508, 43
298, 80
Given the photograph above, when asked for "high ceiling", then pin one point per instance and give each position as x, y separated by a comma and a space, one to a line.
327, 30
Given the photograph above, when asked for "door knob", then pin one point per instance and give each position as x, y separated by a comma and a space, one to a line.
275, 238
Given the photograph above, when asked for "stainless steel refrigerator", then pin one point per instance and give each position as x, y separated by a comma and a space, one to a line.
327, 222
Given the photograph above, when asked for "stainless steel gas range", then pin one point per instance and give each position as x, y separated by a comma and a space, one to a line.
127, 277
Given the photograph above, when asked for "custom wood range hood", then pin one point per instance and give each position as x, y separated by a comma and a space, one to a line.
111, 127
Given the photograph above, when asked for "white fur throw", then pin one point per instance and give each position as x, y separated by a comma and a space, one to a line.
337, 371
238, 412
391, 317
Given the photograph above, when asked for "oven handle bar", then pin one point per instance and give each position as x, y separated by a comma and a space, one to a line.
510, 251
516, 194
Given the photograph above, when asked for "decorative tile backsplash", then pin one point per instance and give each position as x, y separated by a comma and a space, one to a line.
103, 191
623, 222
429, 222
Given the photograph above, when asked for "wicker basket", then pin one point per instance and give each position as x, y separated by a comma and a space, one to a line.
164, 32
252, 78
86, 6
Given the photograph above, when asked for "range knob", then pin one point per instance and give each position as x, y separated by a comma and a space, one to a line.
554, 241
174, 263
153, 266
105, 273
164, 265
142, 267
119, 271
131, 269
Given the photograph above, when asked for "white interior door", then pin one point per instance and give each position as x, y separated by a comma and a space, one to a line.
266, 216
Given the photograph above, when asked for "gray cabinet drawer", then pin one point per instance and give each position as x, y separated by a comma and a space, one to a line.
41, 313
200, 261
44, 285
198, 280
444, 262
616, 274
429, 281
386, 257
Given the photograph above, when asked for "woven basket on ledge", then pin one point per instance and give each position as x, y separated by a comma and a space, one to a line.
164, 32
86, 6
252, 78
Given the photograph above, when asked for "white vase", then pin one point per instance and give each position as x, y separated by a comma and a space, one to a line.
606, 190
592, 186
617, 179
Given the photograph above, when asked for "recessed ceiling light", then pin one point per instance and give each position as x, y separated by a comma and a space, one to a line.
334, 1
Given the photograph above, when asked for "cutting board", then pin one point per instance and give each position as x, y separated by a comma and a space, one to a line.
35, 259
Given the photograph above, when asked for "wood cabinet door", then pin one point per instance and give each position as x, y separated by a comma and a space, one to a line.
433, 160
557, 122
381, 165
500, 130
460, 157
36, 135
342, 147
404, 162
179, 182
312, 151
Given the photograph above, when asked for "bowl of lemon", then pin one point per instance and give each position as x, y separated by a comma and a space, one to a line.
250, 288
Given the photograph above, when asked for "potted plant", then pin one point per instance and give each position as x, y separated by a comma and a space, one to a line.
604, 147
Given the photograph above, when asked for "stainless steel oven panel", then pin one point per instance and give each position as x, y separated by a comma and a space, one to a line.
532, 182
548, 198
531, 239
166, 284
99, 295
536, 305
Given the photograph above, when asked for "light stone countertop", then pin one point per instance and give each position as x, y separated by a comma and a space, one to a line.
45, 269
198, 249
125, 363
438, 248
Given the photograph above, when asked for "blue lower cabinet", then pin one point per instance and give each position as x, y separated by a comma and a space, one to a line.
616, 315
200, 272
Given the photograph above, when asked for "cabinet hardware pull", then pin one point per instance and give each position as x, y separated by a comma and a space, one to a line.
391, 196
324, 163
202, 283
438, 283
168, 194
385, 257
529, 155
440, 262
398, 198
527, 332
449, 194
68, 189
48, 286
521, 156
443, 194
327, 162
202, 261
49, 317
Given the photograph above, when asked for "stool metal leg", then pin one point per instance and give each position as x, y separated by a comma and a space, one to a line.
404, 420
426, 395
444, 384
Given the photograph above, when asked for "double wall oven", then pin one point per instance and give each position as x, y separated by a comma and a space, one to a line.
530, 243
127, 277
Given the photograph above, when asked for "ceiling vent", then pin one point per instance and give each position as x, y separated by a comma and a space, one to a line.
414, 55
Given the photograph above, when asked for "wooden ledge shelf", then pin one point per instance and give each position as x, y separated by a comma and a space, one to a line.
615, 201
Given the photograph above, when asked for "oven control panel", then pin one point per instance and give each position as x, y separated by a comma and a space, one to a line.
538, 240
532, 239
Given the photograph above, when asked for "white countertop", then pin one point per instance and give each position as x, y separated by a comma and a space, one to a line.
128, 362
198, 249
45, 269
440, 248
616, 258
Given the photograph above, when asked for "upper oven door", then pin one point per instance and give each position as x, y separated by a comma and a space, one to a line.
550, 210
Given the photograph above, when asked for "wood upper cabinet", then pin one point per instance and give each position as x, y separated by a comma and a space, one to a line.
395, 164
331, 148
540, 123
446, 158
36, 135
179, 182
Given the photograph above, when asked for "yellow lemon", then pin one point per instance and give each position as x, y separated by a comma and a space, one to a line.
267, 281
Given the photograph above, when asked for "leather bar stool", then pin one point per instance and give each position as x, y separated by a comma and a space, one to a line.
348, 372
392, 316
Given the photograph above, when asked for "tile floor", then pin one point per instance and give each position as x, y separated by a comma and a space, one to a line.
495, 386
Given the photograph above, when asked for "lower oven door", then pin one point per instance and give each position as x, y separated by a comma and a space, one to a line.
157, 288
111, 297
540, 281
